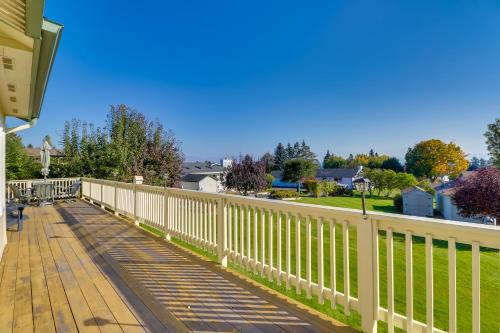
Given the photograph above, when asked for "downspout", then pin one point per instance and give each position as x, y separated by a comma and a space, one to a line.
26, 126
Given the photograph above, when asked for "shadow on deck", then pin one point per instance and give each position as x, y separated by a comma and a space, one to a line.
75, 267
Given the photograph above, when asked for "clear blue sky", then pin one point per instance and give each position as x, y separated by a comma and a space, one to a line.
233, 76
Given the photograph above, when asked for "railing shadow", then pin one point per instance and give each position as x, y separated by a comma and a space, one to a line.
199, 297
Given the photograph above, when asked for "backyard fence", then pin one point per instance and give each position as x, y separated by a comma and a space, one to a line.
328, 253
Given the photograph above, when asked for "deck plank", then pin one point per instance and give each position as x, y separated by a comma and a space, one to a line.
23, 314
61, 310
82, 314
97, 287
8, 284
43, 321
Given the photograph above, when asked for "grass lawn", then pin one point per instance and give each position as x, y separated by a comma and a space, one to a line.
375, 203
490, 273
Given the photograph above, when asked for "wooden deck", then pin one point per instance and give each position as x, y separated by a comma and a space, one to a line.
76, 268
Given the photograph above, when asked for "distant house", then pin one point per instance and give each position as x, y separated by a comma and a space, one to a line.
417, 202
214, 170
342, 176
200, 182
35, 153
445, 204
194, 173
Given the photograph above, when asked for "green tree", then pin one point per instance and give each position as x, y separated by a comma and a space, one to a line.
280, 156
268, 160
392, 163
493, 141
405, 180
434, 158
297, 169
334, 161
18, 165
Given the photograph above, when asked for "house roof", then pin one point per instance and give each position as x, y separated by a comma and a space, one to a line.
337, 173
201, 167
35, 152
413, 188
448, 188
195, 177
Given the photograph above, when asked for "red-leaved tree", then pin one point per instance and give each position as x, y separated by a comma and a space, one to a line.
246, 176
478, 195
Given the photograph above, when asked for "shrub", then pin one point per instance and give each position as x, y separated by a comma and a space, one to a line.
313, 186
398, 202
284, 194
327, 187
269, 180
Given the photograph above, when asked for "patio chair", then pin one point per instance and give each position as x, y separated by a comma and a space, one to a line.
18, 197
44, 193
71, 192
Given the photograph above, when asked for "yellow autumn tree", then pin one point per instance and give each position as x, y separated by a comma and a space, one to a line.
434, 158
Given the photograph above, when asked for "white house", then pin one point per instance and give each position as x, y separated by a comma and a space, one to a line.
342, 176
417, 202
200, 182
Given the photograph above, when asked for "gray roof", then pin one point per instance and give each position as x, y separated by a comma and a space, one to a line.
413, 188
194, 177
201, 167
337, 173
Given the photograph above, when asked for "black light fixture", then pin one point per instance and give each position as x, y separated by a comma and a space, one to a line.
362, 185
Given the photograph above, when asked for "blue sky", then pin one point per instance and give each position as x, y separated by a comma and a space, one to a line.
232, 77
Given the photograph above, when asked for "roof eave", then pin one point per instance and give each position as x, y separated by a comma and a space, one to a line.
44, 53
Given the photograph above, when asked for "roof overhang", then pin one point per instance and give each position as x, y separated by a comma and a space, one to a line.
28, 44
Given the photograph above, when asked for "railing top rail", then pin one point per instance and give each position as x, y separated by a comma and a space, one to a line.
41, 179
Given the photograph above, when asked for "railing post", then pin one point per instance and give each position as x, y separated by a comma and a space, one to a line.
222, 232
102, 195
367, 234
137, 181
90, 192
115, 204
166, 212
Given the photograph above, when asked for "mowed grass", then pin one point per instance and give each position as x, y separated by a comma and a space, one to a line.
490, 272
374, 203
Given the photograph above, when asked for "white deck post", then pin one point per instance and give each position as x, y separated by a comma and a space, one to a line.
137, 181
222, 232
166, 215
366, 275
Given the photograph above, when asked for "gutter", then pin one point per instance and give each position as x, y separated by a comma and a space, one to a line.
26, 126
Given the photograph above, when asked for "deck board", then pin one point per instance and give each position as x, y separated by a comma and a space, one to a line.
76, 268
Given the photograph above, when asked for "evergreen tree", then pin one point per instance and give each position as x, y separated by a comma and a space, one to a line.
493, 142
280, 156
326, 158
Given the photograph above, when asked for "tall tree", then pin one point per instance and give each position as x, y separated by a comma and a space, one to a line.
280, 156
305, 152
478, 194
268, 160
392, 163
434, 158
246, 176
493, 141
327, 156
334, 161
297, 169
18, 165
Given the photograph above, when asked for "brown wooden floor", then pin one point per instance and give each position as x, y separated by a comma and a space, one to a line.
76, 268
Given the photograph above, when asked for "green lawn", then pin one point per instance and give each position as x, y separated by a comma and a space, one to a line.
490, 273
375, 203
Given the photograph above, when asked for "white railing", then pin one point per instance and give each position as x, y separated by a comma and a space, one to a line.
241, 230
61, 186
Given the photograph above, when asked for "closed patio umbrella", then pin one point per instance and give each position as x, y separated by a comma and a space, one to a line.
45, 159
